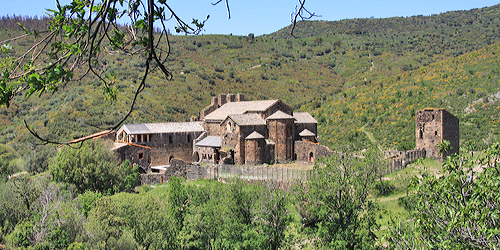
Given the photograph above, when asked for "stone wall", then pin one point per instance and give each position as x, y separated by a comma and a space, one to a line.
306, 151
223, 172
281, 133
212, 128
429, 131
299, 127
136, 155
207, 155
432, 127
165, 147
278, 106
177, 168
254, 151
269, 152
451, 132
400, 159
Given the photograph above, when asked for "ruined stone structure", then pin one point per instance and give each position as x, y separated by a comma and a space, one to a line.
231, 130
433, 126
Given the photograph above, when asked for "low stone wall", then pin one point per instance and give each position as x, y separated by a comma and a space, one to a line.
308, 151
177, 168
400, 159
221, 172
189, 171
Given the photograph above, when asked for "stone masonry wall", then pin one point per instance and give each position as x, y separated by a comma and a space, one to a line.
278, 106
429, 131
281, 133
136, 155
299, 127
451, 132
254, 151
165, 147
432, 127
177, 168
304, 150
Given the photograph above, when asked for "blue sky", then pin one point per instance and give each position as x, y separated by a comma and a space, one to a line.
264, 17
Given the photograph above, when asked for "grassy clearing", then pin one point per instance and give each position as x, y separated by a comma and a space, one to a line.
389, 204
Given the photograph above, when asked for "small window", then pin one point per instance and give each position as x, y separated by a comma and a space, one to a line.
141, 156
170, 140
435, 133
421, 134
189, 137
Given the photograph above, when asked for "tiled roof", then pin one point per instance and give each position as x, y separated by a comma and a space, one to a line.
168, 127
306, 133
303, 117
210, 141
254, 135
248, 119
279, 115
235, 108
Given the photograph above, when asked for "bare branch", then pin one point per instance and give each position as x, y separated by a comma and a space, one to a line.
227, 7
303, 13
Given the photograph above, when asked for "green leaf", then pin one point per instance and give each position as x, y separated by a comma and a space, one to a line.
25, 30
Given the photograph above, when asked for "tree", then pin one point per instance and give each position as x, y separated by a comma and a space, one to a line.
37, 161
337, 205
92, 167
375, 158
105, 223
130, 176
444, 147
7, 163
17, 201
459, 210
275, 215
36, 213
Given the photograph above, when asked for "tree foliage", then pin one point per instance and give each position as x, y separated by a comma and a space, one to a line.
459, 210
7, 161
337, 204
92, 167
37, 214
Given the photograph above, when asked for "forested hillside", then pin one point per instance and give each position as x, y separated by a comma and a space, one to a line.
362, 79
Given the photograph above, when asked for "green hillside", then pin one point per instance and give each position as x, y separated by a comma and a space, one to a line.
357, 77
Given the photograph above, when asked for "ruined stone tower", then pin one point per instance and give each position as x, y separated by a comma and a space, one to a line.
432, 127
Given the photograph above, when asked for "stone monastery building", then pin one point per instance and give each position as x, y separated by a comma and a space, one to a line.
231, 130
